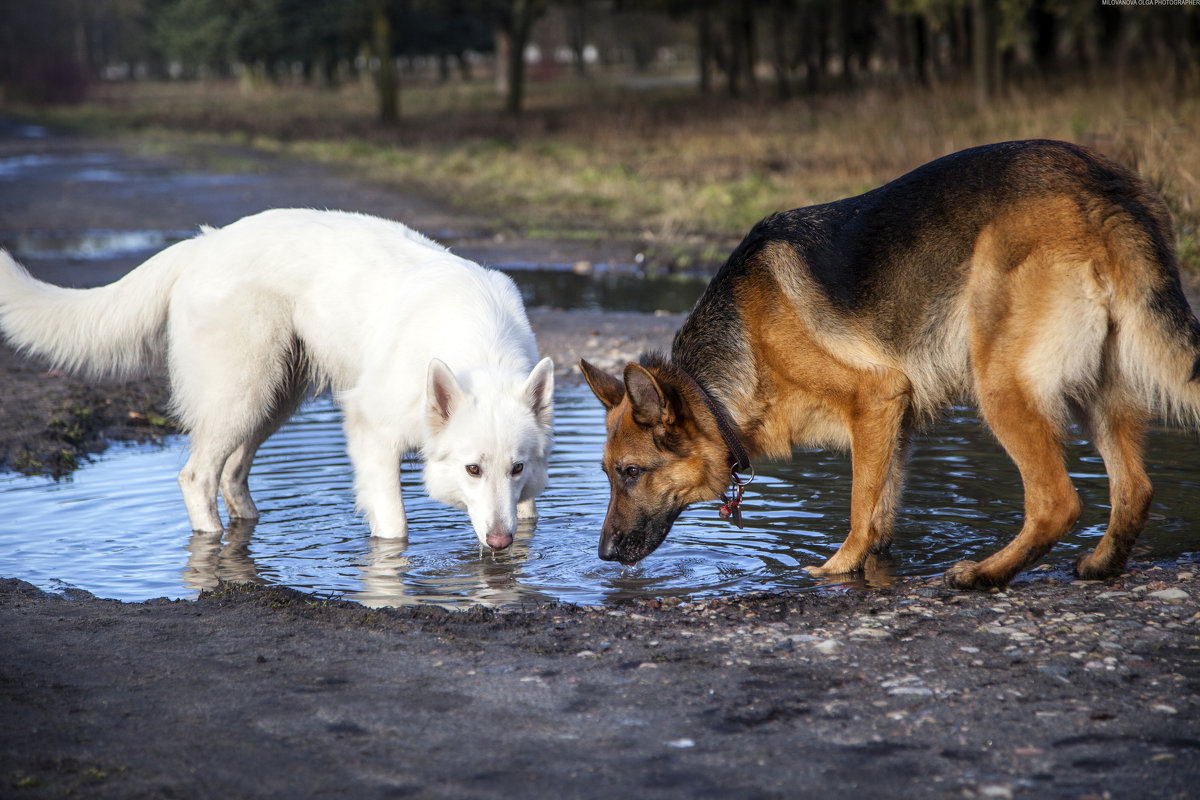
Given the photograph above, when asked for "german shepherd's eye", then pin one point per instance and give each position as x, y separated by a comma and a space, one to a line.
474, 470
518, 468
633, 471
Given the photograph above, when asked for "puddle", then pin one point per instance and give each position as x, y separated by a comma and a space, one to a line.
89, 257
89, 245
111, 168
17, 167
118, 529
605, 289
614, 288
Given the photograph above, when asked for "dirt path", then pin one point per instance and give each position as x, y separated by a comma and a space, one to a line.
1055, 688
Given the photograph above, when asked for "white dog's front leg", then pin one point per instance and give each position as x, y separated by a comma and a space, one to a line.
378, 497
376, 479
527, 510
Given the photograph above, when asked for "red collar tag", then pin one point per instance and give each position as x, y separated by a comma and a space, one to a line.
731, 508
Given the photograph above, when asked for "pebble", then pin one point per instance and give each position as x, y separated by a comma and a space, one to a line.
871, 633
805, 638
1170, 595
828, 647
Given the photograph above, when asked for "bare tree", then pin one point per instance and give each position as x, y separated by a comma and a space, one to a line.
387, 84
514, 22
984, 57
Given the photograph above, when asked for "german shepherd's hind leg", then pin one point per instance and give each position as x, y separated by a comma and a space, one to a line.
879, 438
1118, 433
1034, 443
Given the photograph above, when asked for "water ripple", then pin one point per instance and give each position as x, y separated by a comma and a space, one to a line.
117, 528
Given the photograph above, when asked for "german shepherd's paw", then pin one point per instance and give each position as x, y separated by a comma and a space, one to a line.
834, 566
1088, 568
876, 571
965, 576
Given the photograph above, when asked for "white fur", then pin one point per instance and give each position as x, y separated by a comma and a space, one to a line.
247, 316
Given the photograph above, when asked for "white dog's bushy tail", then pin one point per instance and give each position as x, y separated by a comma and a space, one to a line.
108, 331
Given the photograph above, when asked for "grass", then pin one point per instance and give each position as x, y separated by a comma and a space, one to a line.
664, 166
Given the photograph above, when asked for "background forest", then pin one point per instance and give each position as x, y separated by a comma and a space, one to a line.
672, 121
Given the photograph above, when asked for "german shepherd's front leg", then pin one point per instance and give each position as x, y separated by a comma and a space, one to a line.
878, 450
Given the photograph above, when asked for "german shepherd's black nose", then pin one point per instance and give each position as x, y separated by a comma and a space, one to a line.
608, 548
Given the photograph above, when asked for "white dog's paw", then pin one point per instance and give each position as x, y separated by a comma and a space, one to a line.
389, 530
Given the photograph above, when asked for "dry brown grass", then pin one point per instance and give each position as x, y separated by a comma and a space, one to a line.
665, 165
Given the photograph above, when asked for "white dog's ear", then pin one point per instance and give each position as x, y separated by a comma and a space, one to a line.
442, 394
539, 393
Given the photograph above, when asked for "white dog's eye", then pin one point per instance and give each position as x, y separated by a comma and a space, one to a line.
518, 467
474, 470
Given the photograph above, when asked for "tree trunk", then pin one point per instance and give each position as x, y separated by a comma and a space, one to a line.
520, 24
781, 58
387, 85
577, 35
984, 59
704, 47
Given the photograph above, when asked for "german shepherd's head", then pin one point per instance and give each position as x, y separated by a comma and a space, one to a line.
663, 453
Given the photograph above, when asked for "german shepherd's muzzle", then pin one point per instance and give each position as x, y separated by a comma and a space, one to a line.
668, 458
1035, 278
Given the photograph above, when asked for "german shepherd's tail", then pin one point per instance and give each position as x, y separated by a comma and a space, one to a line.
112, 331
1157, 338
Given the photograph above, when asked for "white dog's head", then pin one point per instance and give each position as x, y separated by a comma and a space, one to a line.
488, 441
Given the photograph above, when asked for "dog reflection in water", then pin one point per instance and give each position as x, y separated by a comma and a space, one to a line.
386, 570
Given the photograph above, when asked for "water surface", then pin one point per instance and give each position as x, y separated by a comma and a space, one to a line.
118, 529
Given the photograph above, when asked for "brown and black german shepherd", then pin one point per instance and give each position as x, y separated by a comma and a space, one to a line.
1036, 279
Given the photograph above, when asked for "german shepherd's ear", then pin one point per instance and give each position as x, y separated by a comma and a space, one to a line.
608, 390
650, 404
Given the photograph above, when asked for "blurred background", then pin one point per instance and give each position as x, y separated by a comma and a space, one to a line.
678, 123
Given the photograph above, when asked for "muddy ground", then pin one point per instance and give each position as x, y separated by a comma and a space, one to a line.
1053, 688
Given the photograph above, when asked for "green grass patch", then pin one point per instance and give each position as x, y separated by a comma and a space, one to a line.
662, 165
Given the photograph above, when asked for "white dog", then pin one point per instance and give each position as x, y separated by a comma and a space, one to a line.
423, 350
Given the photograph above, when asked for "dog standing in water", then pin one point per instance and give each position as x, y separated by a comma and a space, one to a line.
424, 351
1035, 278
